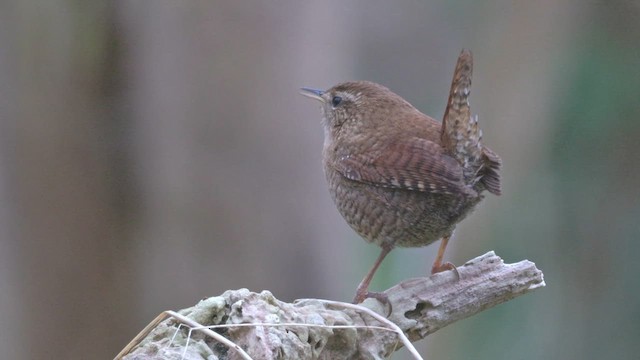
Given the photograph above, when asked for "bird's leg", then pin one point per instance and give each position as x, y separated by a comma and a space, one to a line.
362, 292
438, 266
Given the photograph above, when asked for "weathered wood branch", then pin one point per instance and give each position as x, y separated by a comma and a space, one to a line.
312, 328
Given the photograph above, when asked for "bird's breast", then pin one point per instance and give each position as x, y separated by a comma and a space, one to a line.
394, 216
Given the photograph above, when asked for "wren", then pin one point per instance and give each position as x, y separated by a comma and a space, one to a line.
397, 176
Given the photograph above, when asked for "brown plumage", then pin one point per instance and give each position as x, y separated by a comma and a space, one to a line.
397, 176
461, 136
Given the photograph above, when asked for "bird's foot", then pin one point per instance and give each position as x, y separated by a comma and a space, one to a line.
444, 267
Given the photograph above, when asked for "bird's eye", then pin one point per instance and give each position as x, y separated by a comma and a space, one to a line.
336, 101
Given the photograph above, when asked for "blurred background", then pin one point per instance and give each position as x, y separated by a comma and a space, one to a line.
153, 153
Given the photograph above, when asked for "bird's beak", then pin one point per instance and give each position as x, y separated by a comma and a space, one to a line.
312, 93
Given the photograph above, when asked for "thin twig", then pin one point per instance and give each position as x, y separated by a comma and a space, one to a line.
382, 319
184, 320
142, 334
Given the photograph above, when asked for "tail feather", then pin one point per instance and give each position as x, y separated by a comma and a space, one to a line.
462, 137
460, 132
489, 175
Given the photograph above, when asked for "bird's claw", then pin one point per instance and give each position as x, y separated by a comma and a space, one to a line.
444, 267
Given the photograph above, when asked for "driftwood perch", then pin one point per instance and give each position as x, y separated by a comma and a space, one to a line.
311, 328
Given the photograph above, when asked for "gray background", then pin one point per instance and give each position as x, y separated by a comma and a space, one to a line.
156, 152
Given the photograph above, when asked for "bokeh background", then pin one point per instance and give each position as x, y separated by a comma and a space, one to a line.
153, 153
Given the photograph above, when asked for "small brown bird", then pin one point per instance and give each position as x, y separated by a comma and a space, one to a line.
397, 176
